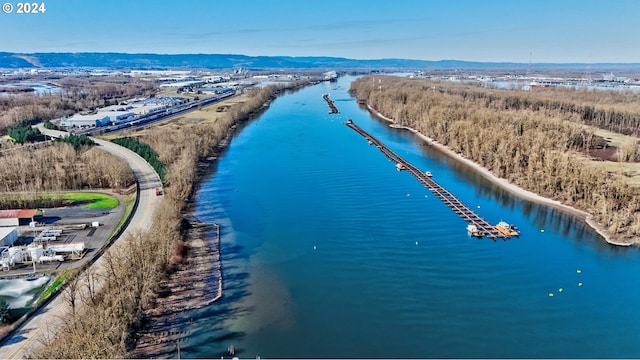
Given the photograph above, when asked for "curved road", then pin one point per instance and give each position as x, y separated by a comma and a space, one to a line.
44, 322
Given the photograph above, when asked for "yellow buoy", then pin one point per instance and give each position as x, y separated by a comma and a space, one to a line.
560, 290
550, 294
541, 230
579, 271
579, 284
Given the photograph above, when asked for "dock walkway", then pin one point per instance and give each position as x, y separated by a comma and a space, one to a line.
334, 109
443, 194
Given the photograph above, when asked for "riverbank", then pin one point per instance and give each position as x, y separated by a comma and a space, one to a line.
195, 283
508, 186
197, 279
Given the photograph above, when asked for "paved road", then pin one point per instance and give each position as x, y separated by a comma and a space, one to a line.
46, 320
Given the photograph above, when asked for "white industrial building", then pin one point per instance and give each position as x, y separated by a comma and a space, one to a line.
183, 84
117, 114
120, 116
101, 118
153, 105
8, 236
136, 73
216, 90
91, 120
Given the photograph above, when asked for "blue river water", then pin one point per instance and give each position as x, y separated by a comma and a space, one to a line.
329, 252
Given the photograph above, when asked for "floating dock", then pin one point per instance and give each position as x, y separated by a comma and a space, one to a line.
332, 107
468, 215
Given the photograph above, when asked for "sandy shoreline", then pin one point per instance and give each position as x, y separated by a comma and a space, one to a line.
506, 185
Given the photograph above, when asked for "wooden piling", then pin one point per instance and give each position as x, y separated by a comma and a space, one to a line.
334, 109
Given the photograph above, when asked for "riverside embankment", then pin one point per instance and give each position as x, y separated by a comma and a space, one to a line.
328, 251
506, 185
543, 148
195, 279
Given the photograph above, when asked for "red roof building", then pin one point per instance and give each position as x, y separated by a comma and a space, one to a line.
14, 217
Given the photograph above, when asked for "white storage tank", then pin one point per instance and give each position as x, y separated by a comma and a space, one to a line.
36, 252
67, 248
5, 264
15, 253
50, 258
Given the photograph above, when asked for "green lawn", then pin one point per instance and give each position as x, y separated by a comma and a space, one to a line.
92, 200
60, 278
129, 201
88, 199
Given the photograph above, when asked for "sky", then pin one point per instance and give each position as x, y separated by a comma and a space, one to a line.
556, 31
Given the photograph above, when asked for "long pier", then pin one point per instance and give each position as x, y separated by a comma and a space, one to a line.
468, 215
334, 109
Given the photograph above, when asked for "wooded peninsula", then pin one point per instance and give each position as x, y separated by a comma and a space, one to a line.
579, 147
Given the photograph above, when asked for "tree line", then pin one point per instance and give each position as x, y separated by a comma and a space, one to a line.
23, 132
57, 166
539, 147
77, 141
621, 116
145, 151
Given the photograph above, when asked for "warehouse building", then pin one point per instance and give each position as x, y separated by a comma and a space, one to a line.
8, 236
101, 118
216, 90
91, 120
129, 111
119, 116
15, 217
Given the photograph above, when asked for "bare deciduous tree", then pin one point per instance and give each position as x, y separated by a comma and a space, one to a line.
536, 140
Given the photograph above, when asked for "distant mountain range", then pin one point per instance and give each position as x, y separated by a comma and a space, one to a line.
229, 61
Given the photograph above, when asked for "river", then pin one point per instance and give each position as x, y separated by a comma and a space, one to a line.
328, 251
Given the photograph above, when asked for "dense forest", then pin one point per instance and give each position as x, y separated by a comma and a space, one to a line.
537, 140
103, 324
57, 166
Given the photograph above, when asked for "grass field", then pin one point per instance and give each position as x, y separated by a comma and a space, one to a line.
630, 171
90, 200
613, 139
204, 115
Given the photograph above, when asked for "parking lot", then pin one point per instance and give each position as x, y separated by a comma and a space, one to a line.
76, 223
